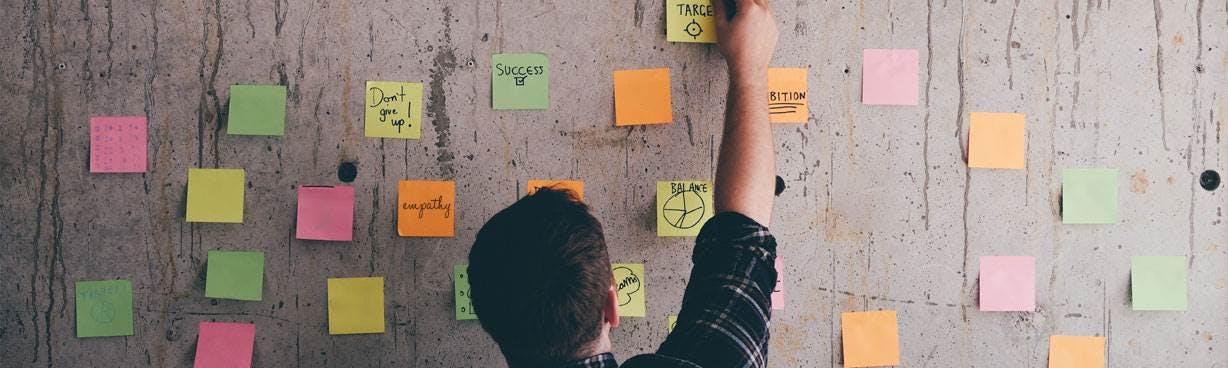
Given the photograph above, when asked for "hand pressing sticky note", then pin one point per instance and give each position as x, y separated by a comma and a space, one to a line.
325, 213
690, 21
778, 294
889, 77
425, 208
996, 140
464, 304
224, 345
257, 110
520, 81
629, 287
871, 339
393, 110
215, 195
1008, 284
787, 90
683, 207
1076, 352
118, 144
104, 308
1089, 196
575, 186
642, 97
355, 305
235, 275
1158, 283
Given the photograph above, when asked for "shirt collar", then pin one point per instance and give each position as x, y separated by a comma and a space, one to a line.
605, 360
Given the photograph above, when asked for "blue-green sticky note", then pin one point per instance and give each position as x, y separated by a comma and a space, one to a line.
104, 308
235, 275
1158, 283
257, 110
1089, 196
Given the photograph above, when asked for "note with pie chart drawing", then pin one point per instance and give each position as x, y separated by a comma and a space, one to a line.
683, 207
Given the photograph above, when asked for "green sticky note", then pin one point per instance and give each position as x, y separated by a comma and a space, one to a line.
690, 21
520, 81
215, 195
1158, 283
257, 110
104, 308
1089, 196
683, 207
235, 275
464, 305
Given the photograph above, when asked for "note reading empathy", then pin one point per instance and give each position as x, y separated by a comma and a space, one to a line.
425, 208
1089, 196
778, 294
683, 207
520, 81
996, 140
257, 110
224, 345
629, 281
235, 275
325, 213
355, 305
575, 186
889, 77
464, 304
1076, 352
642, 97
393, 110
787, 90
118, 144
104, 308
1008, 284
1158, 283
215, 195
690, 21
871, 339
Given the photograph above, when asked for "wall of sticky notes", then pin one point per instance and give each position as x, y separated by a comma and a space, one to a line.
997, 184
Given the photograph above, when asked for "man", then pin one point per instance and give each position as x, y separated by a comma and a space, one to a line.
563, 318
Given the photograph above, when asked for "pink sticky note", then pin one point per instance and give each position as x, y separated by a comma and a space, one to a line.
325, 213
778, 294
118, 144
889, 77
225, 345
1008, 284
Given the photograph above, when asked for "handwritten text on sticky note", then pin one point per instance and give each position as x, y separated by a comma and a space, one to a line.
118, 144
425, 208
629, 286
690, 21
683, 207
787, 90
464, 303
104, 308
393, 110
520, 81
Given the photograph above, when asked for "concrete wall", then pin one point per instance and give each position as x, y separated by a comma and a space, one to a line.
880, 211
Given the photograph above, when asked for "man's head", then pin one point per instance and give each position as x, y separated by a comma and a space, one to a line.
541, 282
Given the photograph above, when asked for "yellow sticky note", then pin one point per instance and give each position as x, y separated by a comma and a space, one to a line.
642, 97
871, 339
355, 305
1076, 352
787, 90
215, 195
393, 110
670, 322
629, 285
996, 140
683, 207
425, 208
575, 186
690, 21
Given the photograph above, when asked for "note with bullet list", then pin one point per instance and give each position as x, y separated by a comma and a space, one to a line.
118, 144
464, 303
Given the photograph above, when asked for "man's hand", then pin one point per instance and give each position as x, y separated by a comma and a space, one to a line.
746, 34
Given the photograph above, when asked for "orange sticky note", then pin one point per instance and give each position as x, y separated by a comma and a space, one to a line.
425, 208
575, 186
1076, 351
996, 140
871, 339
787, 91
642, 97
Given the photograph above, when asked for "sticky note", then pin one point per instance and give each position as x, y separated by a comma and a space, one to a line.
325, 213
1089, 196
1076, 352
1158, 283
1008, 284
690, 21
871, 339
464, 304
235, 275
215, 195
778, 294
393, 110
425, 208
118, 144
996, 140
520, 81
787, 90
104, 308
889, 77
642, 97
683, 207
225, 345
257, 110
671, 322
575, 186
629, 281
355, 305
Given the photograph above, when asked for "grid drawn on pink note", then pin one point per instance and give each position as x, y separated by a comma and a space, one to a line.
118, 144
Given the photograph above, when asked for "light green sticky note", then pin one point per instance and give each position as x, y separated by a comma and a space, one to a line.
683, 207
520, 81
257, 110
629, 281
690, 21
104, 308
393, 110
1158, 283
215, 195
1089, 196
464, 305
235, 275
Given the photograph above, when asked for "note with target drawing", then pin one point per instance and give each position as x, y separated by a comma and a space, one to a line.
393, 110
690, 21
629, 281
787, 90
683, 207
325, 213
104, 308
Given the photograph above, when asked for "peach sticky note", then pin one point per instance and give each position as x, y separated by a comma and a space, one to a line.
355, 305
325, 213
642, 97
425, 208
889, 77
871, 339
1076, 352
575, 186
1008, 284
787, 90
778, 294
118, 144
225, 345
996, 140
215, 195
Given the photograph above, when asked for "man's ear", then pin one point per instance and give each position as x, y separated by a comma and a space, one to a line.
611, 307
